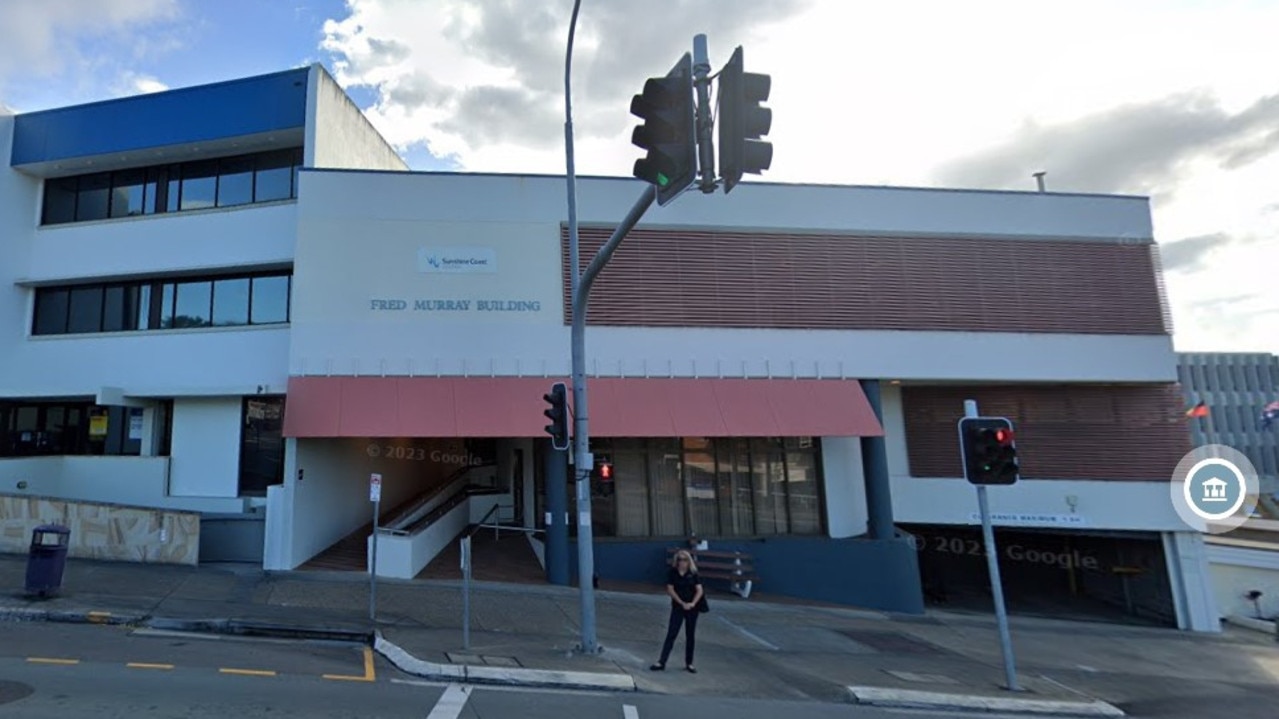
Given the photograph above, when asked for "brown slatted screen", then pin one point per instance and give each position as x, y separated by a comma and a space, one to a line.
669, 278
1133, 432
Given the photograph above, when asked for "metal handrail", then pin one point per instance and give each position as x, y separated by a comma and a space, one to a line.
428, 496
480, 524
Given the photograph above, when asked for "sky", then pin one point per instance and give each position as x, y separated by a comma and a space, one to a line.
1174, 100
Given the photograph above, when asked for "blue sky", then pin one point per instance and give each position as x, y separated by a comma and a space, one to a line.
189, 43
1174, 100
203, 42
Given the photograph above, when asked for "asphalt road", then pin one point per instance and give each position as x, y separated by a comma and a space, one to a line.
61, 671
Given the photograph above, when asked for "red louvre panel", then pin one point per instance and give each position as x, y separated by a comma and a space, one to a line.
677, 278
1135, 432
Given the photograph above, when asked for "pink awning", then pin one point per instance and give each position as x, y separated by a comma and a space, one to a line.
512, 407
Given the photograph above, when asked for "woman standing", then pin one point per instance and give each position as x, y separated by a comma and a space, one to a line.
685, 590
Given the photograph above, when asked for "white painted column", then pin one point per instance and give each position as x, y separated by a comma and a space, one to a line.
1191, 581
278, 552
845, 489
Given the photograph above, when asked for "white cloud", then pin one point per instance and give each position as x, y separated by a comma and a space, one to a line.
134, 83
149, 84
39, 37
889, 93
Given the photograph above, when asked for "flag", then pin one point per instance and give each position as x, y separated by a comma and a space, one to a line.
1199, 410
1269, 414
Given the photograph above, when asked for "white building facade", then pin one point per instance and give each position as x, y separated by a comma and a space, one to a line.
772, 371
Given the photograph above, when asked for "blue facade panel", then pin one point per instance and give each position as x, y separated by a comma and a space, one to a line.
198, 114
880, 574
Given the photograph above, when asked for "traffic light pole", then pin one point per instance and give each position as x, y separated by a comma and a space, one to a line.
996, 583
583, 462
705, 125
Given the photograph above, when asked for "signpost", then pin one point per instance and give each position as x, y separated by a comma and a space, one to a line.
987, 465
375, 496
466, 592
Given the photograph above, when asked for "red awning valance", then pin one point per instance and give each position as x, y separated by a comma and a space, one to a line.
512, 407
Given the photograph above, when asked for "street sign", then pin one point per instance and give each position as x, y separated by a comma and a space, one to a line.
375, 488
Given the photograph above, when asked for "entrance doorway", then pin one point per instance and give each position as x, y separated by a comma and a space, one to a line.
1087, 575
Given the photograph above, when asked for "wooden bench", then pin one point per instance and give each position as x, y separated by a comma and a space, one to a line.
738, 568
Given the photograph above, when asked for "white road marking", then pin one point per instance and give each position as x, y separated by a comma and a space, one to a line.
750, 635
511, 689
630, 712
451, 702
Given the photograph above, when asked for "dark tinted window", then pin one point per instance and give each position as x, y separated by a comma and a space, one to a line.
143, 316
59, 200
199, 185
148, 305
86, 310
261, 445
165, 313
156, 189
270, 300
95, 194
51, 311
113, 315
174, 192
128, 192
228, 182
274, 176
235, 183
231, 302
194, 305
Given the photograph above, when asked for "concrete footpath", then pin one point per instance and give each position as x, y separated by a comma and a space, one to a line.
526, 635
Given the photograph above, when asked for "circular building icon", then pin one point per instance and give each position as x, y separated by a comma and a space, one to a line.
1215, 488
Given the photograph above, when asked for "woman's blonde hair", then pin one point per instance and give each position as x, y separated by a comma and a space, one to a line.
684, 554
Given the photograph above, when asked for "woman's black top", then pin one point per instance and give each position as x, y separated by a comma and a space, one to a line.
685, 586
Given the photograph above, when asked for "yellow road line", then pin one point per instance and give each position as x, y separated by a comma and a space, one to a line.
99, 617
249, 672
369, 674
143, 665
42, 660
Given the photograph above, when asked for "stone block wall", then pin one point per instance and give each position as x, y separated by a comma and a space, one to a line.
103, 531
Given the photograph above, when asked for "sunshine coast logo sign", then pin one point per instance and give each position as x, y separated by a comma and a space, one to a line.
456, 260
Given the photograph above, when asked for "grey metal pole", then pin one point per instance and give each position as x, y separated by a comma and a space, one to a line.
556, 471
701, 80
466, 593
571, 174
583, 462
996, 583
373, 566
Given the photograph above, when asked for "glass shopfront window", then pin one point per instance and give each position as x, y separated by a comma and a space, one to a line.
32, 428
709, 487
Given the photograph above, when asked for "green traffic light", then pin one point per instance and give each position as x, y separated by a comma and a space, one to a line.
663, 180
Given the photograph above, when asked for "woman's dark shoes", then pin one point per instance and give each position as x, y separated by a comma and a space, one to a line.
691, 669
658, 668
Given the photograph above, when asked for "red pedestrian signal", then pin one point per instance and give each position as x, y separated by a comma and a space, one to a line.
987, 451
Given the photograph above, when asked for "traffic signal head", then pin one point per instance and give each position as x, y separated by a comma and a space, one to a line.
742, 122
668, 133
988, 450
557, 413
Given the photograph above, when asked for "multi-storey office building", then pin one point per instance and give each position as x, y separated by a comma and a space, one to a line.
769, 369
1235, 387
